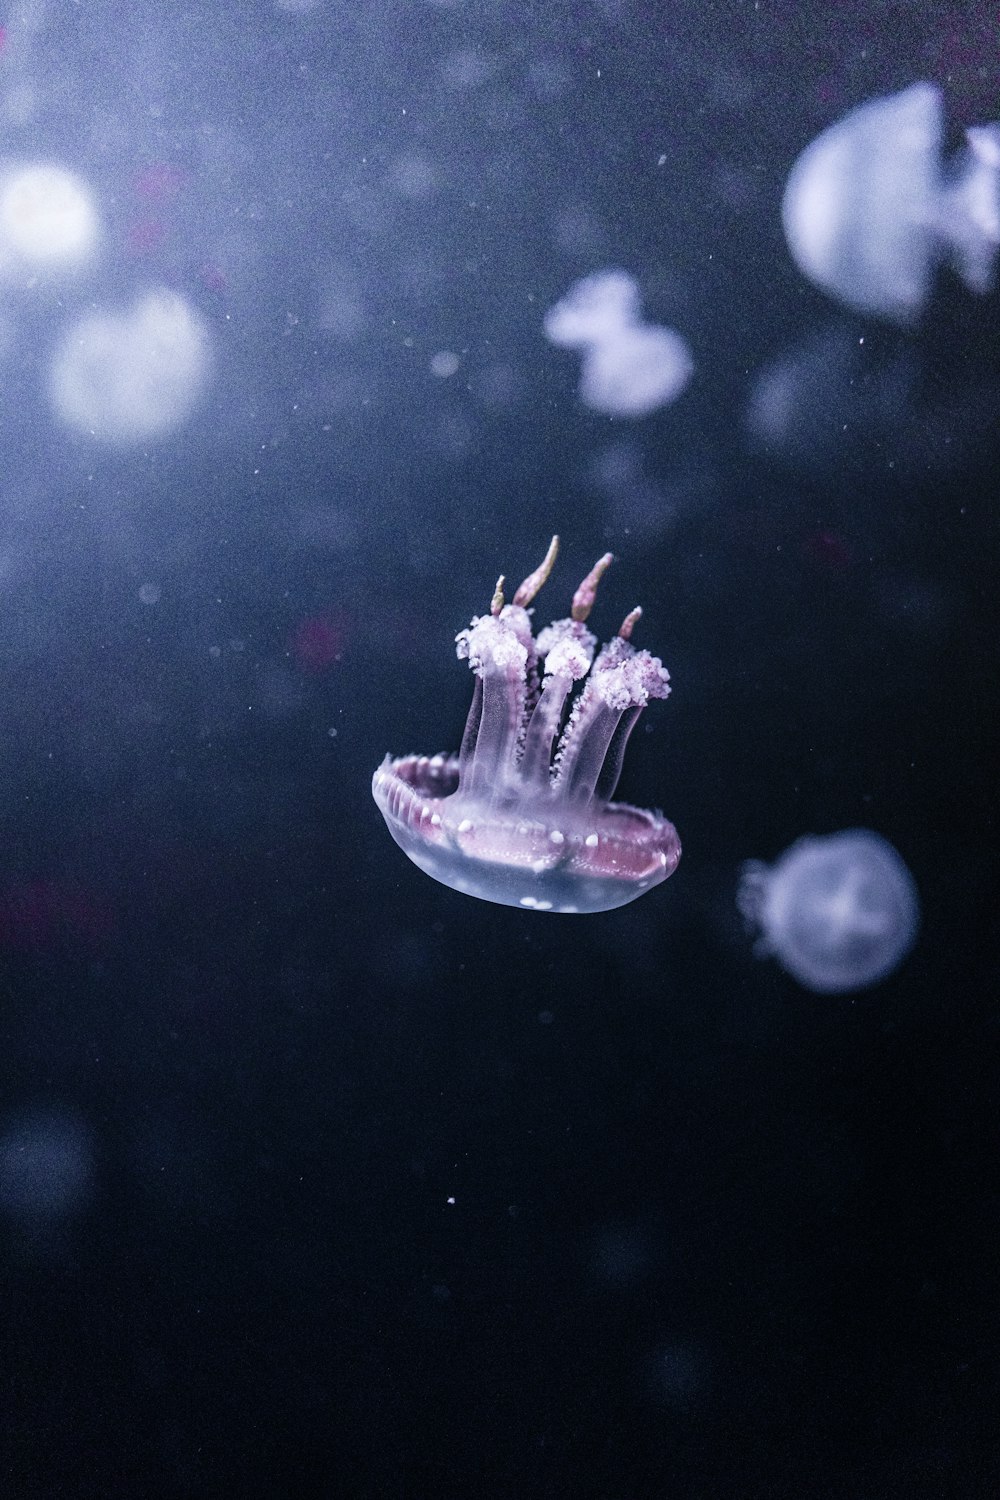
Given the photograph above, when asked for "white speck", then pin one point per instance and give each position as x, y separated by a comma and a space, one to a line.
149, 593
557, 837
464, 826
591, 841
436, 819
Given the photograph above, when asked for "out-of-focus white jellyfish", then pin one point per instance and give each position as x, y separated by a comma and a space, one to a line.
839, 913
131, 377
635, 372
47, 217
629, 368
596, 307
46, 1169
869, 210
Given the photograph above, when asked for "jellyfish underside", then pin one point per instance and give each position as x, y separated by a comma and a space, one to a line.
522, 815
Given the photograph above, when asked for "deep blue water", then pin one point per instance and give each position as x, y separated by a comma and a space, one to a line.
317, 1177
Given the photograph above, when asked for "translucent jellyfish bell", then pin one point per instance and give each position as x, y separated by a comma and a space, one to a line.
839, 913
522, 815
869, 210
47, 217
634, 373
131, 376
630, 368
594, 308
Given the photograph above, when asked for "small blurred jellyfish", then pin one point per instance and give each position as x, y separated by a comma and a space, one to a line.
629, 368
46, 1169
595, 308
47, 218
635, 372
869, 210
129, 377
839, 913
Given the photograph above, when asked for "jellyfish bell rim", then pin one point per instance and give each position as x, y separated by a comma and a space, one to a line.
578, 862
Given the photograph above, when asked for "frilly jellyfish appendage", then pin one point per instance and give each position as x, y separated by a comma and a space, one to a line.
869, 210
522, 815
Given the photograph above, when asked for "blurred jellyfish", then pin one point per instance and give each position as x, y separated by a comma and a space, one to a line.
629, 368
46, 1169
130, 377
869, 210
635, 372
47, 217
838, 406
839, 913
595, 308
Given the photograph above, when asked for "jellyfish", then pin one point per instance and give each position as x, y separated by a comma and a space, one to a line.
129, 377
47, 217
634, 373
595, 308
522, 815
630, 368
869, 210
839, 913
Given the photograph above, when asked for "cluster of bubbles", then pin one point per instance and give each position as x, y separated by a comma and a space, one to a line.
124, 375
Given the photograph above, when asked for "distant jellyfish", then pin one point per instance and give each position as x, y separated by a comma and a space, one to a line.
630, 368
839, 913
47, 217
46, 1168
635, 372
129, 377
869, 210
522, 815
595, 308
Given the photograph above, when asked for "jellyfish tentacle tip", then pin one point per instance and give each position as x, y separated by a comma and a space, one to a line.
583, 599
534, 581
497, 602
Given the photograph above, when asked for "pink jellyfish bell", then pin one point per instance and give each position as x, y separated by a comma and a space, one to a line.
522, 815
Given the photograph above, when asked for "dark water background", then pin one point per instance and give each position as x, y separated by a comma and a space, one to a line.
359, 1186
